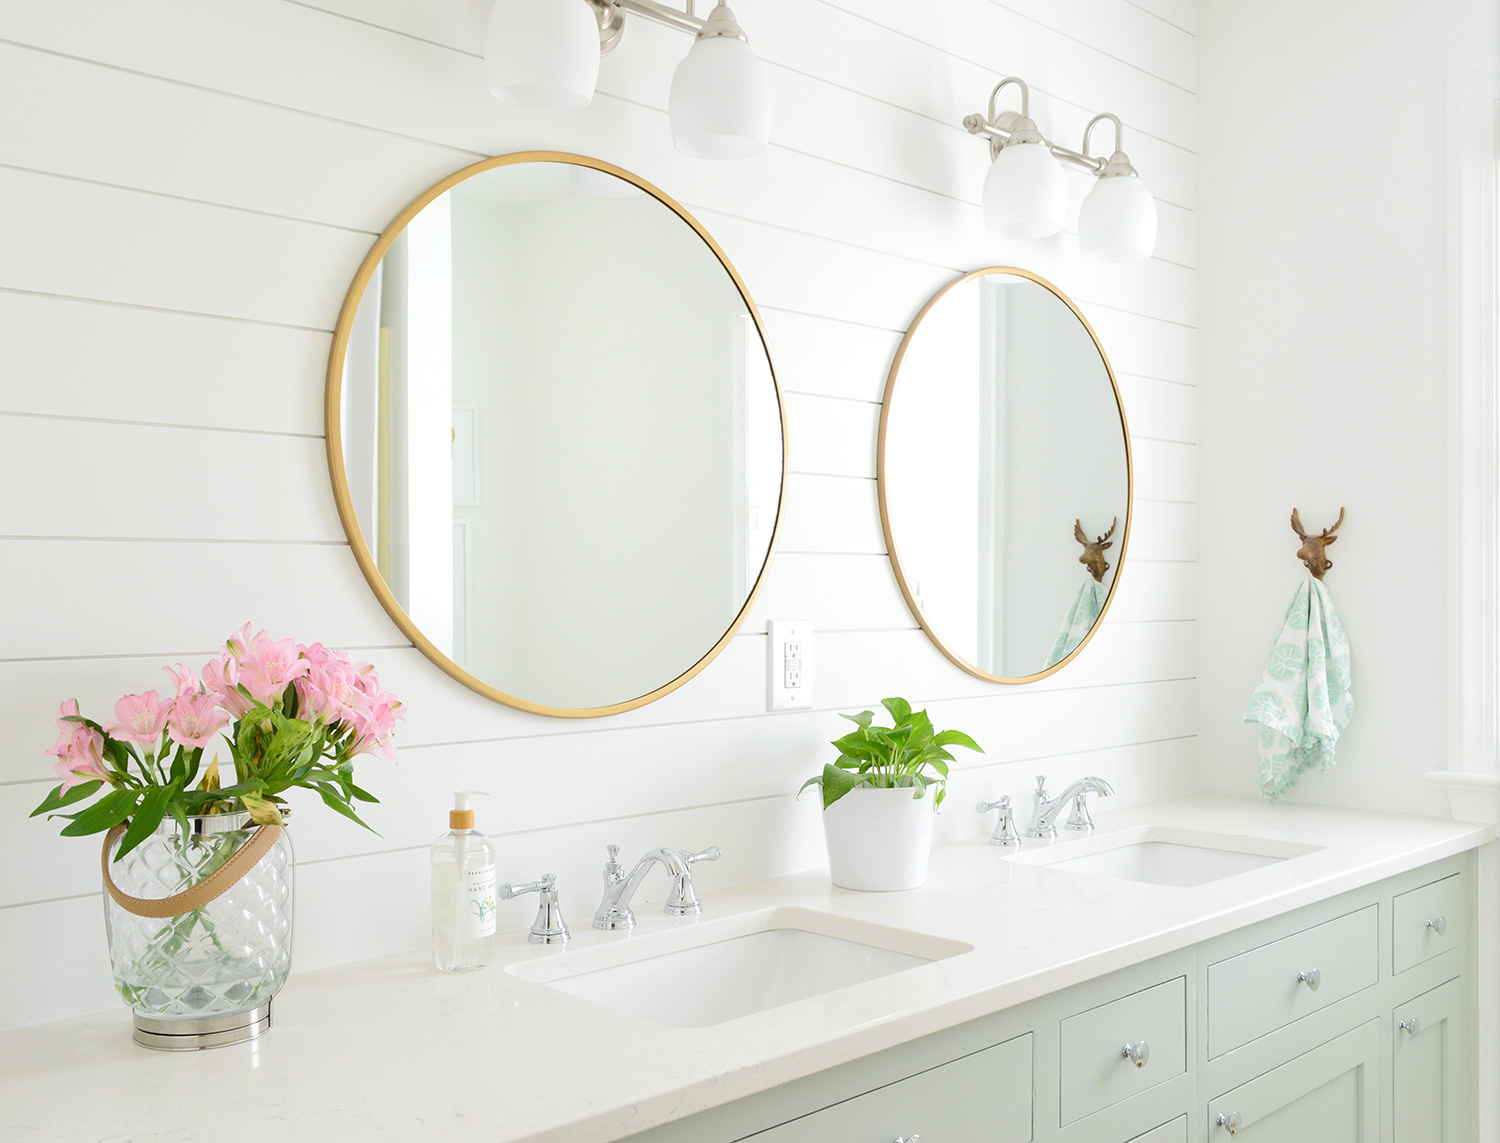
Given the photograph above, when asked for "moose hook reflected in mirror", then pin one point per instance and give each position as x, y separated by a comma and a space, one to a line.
1313, 552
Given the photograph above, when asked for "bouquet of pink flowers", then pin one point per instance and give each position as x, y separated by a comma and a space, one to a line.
291, 715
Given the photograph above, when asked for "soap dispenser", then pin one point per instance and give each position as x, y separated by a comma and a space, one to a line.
463, 891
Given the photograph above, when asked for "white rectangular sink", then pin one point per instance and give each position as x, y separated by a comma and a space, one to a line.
708, 974
1160, 856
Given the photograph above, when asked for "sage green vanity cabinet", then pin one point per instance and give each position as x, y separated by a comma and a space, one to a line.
1344, 1021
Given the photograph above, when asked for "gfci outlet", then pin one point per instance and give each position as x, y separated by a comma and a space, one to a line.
790, 667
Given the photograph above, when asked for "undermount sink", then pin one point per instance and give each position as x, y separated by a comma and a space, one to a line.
725, 972
1160, 856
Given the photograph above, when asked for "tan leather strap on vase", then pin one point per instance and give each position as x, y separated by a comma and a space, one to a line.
216, 884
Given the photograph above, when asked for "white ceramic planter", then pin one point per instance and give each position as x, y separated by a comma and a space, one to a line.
879, 840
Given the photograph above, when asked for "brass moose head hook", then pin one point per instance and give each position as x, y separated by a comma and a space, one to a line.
1093, 550
1312, 552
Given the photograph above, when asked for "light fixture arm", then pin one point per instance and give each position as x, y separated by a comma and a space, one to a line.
1018, 127
611, 17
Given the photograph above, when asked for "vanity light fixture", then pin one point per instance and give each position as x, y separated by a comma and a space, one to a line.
545, 54
1026, 196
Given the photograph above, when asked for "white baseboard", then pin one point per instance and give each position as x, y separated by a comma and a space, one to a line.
1473, 797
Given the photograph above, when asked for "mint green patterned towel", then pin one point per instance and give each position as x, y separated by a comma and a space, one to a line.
1303, 702
1087, 605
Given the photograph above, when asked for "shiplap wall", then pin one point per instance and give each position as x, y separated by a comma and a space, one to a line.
188, 188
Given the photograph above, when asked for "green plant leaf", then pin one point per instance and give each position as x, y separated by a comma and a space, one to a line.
900, 710
56, 800
332, 801
108, 812
863, 718
152, 809
836, 783
958, 738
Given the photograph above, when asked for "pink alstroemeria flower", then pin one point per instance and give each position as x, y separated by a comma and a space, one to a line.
140, 717
375, 729
186, 681
79, 751
269, 666
195, 719
238, 644
221, 677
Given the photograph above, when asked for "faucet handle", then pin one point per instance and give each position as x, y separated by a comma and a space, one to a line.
709, 854
1005, 829
614, 854
549, 927
1041, 786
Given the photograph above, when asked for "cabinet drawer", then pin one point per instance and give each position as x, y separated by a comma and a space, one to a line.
981, 1098
1259, 991
1096, 1072
1428, 921
1174, 1132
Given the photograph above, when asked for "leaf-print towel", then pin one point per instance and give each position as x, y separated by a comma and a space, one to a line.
1087, 605
1303, 702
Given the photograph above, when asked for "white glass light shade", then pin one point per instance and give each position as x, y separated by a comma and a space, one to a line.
543, 53
1025, 193
1117, 222
720, 103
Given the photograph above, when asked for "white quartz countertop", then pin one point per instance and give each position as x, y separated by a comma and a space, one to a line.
393, 1049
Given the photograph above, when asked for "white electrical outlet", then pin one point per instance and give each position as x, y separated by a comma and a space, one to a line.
790, 666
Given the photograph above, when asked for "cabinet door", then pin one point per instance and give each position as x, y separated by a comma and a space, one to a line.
1427, 1065
1328, 1095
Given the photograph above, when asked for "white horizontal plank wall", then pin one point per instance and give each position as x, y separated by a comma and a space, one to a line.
188, 190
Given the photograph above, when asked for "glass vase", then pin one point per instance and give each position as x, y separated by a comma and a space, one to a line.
206, 977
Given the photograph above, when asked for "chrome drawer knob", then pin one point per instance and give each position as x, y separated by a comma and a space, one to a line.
1137, 1053
1230, 1122
1439, 925
1312, 978
1412, 1027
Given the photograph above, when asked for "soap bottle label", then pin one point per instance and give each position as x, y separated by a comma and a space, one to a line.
479, 902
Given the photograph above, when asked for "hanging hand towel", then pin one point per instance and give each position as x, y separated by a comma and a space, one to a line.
1087, 605
1303, 702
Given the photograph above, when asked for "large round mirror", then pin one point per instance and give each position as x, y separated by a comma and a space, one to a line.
1005, 477
556, 439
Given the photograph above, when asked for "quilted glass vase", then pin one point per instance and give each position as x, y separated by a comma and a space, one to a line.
204, 977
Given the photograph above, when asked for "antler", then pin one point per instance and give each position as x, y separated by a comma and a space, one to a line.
1328, 532
1297, 524
1078, 532
1113, 524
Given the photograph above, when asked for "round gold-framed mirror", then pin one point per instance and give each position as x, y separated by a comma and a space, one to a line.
555, 434
1004, 474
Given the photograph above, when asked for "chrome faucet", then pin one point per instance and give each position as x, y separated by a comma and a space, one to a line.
1044, 809
549, 927
619, 888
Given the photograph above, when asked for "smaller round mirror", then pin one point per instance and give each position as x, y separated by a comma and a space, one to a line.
1004, 474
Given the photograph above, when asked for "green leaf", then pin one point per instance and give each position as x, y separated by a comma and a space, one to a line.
146, 819
836, 783
900, 710
108, 812
958, 738
362, 795
331, 800
56, 800
863, 718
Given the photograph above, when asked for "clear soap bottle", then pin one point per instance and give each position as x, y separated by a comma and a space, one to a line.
463, 891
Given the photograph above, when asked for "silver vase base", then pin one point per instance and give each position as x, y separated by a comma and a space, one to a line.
194, 1033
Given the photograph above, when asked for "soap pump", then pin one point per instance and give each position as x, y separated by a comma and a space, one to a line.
463, 891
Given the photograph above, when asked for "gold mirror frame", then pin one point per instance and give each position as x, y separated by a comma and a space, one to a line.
891, 546
333, 401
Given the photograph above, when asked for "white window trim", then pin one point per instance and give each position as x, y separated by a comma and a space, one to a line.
1472, 778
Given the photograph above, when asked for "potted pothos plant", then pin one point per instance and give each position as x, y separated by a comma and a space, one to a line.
880, 794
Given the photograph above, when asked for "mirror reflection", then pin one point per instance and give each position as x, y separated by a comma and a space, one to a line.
560, 439
1004, 475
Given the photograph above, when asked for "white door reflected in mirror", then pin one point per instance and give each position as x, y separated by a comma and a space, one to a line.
1004, 475
559, 435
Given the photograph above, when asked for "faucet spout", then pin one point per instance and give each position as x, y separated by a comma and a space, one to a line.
614, 910
1045, 809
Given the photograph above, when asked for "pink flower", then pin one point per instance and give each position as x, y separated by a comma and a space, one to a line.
221, 678
375, 729
240, 642
195, 719
269, 666
186, 681
79, 753
67, 710
140, 717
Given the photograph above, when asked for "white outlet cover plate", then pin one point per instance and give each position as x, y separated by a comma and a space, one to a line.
789, 664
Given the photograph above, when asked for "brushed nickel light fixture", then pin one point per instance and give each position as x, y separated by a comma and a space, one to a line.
545, 54
1026, 195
